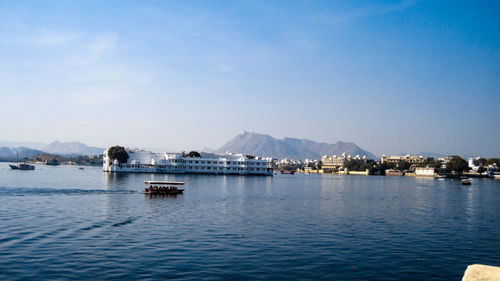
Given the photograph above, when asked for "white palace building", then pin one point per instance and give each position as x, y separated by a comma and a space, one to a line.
141, 161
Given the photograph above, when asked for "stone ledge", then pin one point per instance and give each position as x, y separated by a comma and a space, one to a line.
479, 272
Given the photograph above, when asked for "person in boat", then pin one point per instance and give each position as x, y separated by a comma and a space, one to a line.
146, 189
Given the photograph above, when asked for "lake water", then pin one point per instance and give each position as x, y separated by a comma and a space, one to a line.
65, 223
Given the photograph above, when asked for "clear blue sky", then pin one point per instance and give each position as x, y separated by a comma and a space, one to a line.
391, 76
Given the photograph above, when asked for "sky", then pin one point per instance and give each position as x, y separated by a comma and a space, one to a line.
390, 76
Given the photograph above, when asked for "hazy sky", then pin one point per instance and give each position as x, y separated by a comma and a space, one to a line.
390, 76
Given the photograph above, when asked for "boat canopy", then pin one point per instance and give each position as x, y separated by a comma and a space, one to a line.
164, 182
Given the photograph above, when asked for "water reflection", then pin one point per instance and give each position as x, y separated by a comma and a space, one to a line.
471, 205
425, 181
160, 195
116, 181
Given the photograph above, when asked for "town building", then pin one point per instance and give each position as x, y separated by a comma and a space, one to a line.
334, 163
474, 163
407, 158
425, 172
288, 161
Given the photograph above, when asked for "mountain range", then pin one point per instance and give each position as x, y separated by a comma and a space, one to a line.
265, 145
72, 148
60, 148
247, 143
19, 153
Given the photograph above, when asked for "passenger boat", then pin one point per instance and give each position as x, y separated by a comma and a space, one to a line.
22, 166
163, 187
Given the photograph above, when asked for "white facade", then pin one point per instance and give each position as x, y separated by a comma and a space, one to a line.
425, 172
336, 162
141, 161
473, 163
407, 158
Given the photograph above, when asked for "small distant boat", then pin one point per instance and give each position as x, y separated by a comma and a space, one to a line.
22, 166
391, 172
52, 162
80, 168
163, 187
466, 182
287, 172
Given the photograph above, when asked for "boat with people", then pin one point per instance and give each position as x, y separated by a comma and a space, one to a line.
466, 182
22, 166
163, 187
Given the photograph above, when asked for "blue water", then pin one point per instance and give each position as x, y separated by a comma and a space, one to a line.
64, 223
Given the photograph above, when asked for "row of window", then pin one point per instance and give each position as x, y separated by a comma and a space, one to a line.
227, 169
222, 162
205, 162
194, 167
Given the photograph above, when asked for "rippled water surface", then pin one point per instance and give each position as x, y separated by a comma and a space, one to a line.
65, 223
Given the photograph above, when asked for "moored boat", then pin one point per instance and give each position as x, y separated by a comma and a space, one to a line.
22, 166
287, 172
52, 162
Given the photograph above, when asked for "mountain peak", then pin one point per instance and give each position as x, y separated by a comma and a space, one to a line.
266, 145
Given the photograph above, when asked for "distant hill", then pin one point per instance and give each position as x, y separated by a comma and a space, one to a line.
72, 148
265, 145
79, 160
30, 144
19, 153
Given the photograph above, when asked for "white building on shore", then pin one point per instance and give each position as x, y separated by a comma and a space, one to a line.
474, 163
425, 172
407, 158
334, 162
141, 161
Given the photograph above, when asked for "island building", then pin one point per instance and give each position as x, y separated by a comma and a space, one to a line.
142, 161
407, 158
